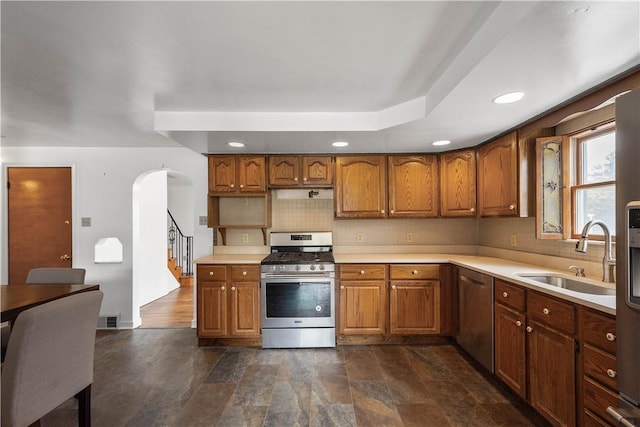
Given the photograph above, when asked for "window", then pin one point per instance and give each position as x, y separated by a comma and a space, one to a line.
594, 192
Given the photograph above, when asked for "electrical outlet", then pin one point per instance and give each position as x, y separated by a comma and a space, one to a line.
409, 237
245, 238
202, 220
246, 201
359, 237
513, 241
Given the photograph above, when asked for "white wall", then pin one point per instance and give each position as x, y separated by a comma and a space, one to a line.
103, 184
149, 240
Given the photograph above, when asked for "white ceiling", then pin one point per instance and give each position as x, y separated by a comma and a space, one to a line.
294, 76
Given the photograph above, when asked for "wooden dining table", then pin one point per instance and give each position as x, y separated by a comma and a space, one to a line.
16, 298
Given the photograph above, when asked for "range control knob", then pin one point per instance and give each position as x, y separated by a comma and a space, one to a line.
321, 267
298, 267
312, 267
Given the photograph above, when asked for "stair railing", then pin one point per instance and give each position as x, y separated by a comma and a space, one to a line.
181, 246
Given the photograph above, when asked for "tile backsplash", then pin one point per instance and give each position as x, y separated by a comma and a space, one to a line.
317, 215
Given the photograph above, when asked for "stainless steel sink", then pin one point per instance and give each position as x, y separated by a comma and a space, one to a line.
569, 284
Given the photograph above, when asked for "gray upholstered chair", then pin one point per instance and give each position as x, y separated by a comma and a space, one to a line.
42, 276
50, 359
56, 275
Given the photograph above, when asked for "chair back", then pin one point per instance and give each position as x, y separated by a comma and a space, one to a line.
49, 357
56, 275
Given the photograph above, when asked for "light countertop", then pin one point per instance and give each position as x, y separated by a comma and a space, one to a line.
497, 267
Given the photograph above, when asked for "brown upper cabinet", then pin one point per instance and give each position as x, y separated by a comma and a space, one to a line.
237, 174
300, 171
413, 186
361, 187
458, 184
498, 177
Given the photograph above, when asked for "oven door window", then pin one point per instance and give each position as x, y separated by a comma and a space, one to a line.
298, 299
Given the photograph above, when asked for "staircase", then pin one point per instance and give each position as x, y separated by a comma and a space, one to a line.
179, 253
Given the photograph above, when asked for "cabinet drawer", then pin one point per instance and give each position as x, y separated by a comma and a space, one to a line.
600, 330
597, 398
555, 313
207, 272
591, 420
414, 271
600, 366
362, 271
245, 273
509, 295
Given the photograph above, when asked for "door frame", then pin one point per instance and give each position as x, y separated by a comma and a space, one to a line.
4, 212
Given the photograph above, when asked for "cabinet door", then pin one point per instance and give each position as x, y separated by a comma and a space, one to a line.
552, 374
414, 307
222, 174
458, 184
245, 309
498, 177
361, 187
362, 307
252, 173
413, 186
284, 171
510, 350
317, 171
212, 309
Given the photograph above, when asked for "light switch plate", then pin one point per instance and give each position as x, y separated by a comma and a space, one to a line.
85, 221
202, 220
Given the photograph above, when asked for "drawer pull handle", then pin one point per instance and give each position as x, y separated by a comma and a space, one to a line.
222, 288
505, 294
341, 286
610, 336
473, 210
244, 273
545, 311
382, 211
296, 179
611, 373
362, 272
232, 185
233, 288
414, 272
529, 329
241, 185
211, 273
512, 207
518, 323
393, 286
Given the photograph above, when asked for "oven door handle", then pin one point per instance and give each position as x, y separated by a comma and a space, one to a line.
296, 276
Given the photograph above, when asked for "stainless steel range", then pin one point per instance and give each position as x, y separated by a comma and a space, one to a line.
298, 294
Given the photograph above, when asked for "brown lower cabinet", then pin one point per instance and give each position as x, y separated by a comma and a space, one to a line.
396, 299
228, 301
535, 350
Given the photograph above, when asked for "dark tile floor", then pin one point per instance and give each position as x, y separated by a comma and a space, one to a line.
159, 377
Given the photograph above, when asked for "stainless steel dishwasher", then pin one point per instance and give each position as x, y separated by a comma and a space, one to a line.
475, 315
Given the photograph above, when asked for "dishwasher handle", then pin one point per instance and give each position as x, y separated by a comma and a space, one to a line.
471, 281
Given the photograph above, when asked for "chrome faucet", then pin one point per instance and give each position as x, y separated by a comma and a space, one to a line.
608, 262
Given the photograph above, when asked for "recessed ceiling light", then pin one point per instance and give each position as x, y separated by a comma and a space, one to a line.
340, 144
508, 98
441, 142
236, 144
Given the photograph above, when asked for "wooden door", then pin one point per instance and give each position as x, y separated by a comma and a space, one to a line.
361, 188
362, 308
317, 171
413, 186
510, 349
253, 174
458, 184
222, 174
212, 309
414, 307
498, 177
245, 309
40, 214
552, 374
284, 171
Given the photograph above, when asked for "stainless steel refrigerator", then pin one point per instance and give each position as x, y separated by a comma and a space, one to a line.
628, 258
